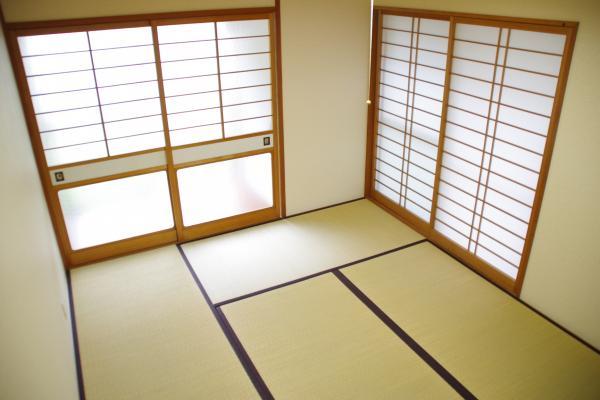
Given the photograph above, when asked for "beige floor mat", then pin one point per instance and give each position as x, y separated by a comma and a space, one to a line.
145, 332
491, 343
253, 259
316, 340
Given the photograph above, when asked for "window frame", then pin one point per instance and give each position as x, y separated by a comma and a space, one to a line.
179, 233
569, 29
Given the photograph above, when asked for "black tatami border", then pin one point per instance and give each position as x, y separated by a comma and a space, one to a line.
79, 370
234, 341
406, 338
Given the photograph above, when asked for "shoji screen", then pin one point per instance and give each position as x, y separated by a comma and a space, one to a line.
464, 145
411, 74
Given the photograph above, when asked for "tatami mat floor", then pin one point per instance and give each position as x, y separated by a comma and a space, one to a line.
370, 312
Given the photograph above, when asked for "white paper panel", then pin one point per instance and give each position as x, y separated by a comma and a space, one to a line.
69, 137
527, 101
194, 118
133, 127
477, 33
237, 96
122, 75
397, 38
244, 63
192, 102
57, 63
186, 32
475, 51
431, 59
191, 85
212, 150
111, 38
61, 82
542, 84
68, 119
245, 79
523, 138
126, 56
190, 68
67, 155
136, 143
538, 41
395, 66
133, 109
533, 62
236, 29
53, 44
398, 52
186, 51
249, 126
524, 119
244, 46
245, 111
196, 135
473, 69
434, 26
433, 43
64, 101
397, 22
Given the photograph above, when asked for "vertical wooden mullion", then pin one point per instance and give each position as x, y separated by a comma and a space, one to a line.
443, 119
277, 104
485, 142
493, 138
412, 103
403, 174
87, 34
219, 80
171, 172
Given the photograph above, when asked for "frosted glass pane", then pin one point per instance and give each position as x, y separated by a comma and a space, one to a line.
218, 190
61, 82
134, 109
398, 52
244, 63
530, 81
192, 102
397, 22
469, 103
67, 155
194, 118
136, 143
186, 51
196, 135
527, 101
473, 69
477, 33
68, 137
533, 62
395, 66
235, 29
121, 75
540, 41
68, 119
245, 111
186, 32
433, 43
244, 79
191, 85
431, 59
434, 26
135, 91
395, 37
56, 43
244, 46
110, 38
127, 56
57, 63
115, 210
182, 69
236, 96
64, 101
249, 126
133, 127
475, 51
525, 120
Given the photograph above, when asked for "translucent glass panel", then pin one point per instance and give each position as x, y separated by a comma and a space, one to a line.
411, 88
94, 93
115, 210
501, 98
217, 79
223, 189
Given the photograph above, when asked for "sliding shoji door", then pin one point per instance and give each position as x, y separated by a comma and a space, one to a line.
152, 131
476, 190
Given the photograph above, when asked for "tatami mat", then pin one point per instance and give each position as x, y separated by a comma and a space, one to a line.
145, 332
246, 261
316, 340
491, 343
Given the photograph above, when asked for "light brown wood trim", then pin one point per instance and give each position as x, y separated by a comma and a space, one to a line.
107, 178
373, 96
227, 139
211, 18
443, 119
277, 86
447, 14
223, 158
546, 160
230, 224
32, 31
97, 160
514, 23
140, 17
121, 248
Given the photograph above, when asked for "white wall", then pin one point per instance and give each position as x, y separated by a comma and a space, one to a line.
325, 87
563, 275
36, 348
